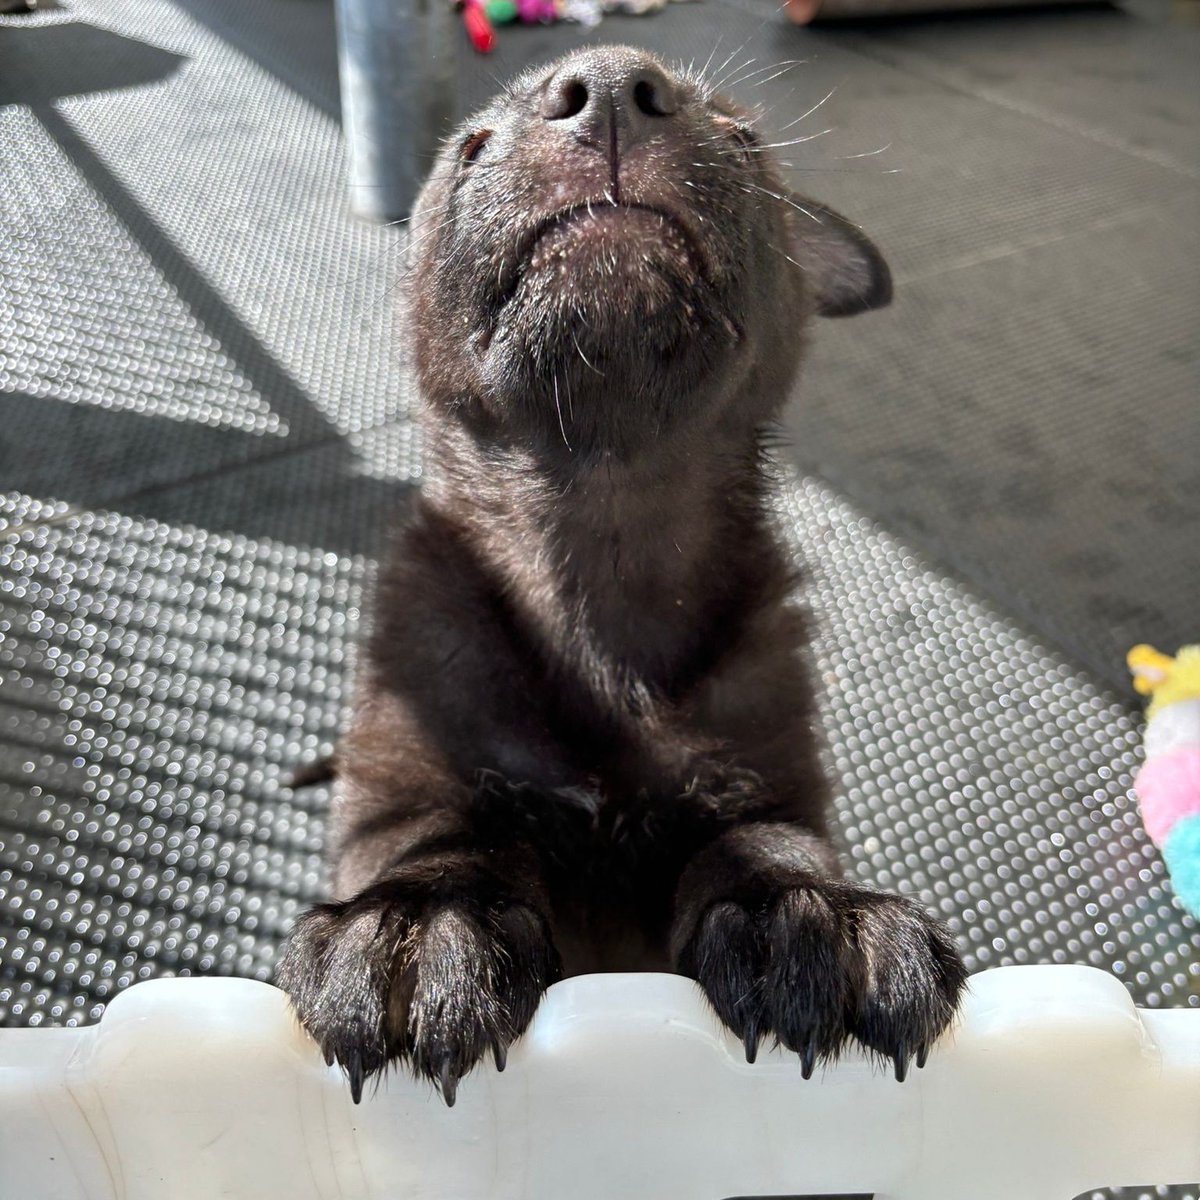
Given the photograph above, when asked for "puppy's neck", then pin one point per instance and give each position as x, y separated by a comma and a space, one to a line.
621, 567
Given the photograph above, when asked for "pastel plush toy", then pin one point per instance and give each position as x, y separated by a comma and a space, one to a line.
1168, 784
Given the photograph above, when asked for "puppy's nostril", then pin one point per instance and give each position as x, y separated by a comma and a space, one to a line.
654, 98
564, 99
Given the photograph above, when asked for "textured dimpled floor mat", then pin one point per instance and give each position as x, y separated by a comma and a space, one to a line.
205, 440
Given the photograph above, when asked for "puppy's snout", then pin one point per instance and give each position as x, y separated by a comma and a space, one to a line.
605, 92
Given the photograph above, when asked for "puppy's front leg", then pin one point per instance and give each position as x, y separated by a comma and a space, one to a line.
785, 948
441, 958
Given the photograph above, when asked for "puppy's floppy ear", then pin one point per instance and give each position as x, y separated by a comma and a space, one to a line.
843, 271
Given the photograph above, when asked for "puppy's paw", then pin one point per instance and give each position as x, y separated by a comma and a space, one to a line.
819, 962
435, 983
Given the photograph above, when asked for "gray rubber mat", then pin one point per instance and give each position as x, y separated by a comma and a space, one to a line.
1029, 411
206, 438
177, 291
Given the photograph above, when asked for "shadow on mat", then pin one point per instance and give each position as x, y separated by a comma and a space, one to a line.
43, 63
40, 65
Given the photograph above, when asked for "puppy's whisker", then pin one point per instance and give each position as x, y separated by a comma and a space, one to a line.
865, 153
788, 200
785, 254
780, 68
805, 115
558, 409
812, 137
723, 74
586, 362
708, 61
791, 166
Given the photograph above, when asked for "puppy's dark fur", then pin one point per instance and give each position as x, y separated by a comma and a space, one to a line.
583, 737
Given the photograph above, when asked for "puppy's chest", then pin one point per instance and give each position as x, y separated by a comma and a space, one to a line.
587, 834
604, 850
610, 880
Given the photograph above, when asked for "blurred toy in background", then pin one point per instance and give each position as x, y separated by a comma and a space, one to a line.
582, 12
479, 27
500, 12
537, 12
481, 16
1168, 784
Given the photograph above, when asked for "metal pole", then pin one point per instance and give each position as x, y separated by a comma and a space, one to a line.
397, 68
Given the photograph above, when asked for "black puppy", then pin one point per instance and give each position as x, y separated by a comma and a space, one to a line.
583, 736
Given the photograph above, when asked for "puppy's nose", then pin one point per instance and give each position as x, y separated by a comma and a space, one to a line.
602, 93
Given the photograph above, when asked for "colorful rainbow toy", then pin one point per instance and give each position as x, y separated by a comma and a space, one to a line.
1168, 784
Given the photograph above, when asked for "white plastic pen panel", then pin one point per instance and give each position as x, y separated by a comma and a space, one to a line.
624, 1088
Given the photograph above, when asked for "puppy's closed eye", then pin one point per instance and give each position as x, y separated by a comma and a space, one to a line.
474, 145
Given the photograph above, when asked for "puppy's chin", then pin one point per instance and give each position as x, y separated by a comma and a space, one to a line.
603, 355
591, 329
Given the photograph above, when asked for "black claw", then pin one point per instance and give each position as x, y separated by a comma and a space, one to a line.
354, 1071
922, 1055
500, 1054
808, 1060
750, 1041
449, 1085
327, 1055
901, 1061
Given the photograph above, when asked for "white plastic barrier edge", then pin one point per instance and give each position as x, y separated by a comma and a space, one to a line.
624, 1086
